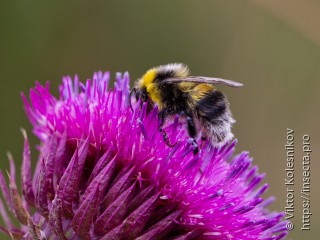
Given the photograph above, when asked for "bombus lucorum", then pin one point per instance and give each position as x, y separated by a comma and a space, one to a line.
195, 98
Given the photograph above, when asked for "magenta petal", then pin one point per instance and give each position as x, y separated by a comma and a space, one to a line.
37, 101
28, 109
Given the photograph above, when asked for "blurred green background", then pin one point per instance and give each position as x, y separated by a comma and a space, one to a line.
273, 47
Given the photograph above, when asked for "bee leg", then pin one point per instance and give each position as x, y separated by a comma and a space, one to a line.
135, 92
192, 133
203, 140
162, 117
166, 138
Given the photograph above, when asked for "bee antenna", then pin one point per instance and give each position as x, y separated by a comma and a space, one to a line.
135, 91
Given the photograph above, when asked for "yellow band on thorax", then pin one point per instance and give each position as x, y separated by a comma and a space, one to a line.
200, 90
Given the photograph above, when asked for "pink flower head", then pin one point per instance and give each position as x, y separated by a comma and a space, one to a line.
105, 172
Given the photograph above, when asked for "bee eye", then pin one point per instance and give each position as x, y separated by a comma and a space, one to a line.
137, 95
142, 94
144, 97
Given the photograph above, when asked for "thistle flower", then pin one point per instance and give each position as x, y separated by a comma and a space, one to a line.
104, 172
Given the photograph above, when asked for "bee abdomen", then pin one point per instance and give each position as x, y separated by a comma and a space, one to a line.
212, 106
215, 117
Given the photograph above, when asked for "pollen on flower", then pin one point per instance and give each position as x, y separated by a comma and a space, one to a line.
105, 172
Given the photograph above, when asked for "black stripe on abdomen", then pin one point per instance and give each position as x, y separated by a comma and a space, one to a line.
212, 106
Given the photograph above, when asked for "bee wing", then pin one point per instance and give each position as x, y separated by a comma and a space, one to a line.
208, 80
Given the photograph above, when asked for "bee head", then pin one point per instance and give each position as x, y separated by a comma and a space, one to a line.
146, 89
141, 93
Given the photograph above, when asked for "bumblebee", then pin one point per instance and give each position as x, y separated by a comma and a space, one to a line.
195, 98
